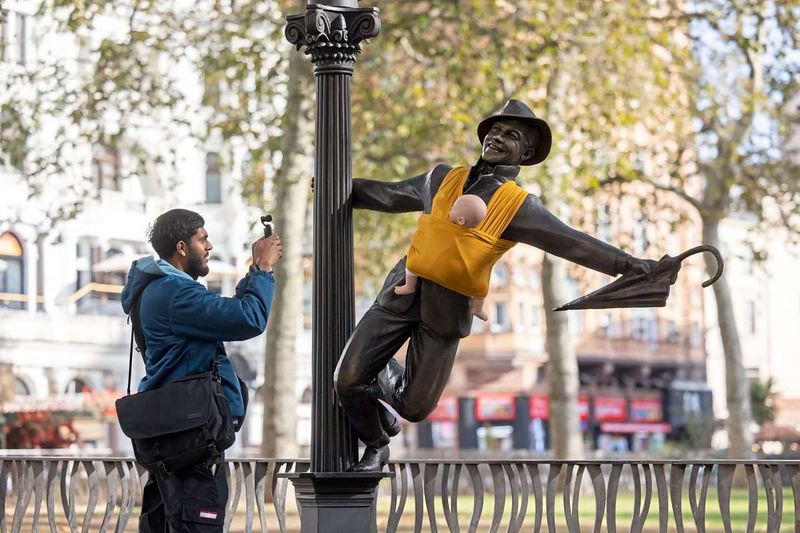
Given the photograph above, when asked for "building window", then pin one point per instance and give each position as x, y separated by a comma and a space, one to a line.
15, 37
77, 386
695, 336
306, 397
3, 36
535, 318
751, 322
605, 325
105, 167
644, 325
22, 38
308, 298
21, 388
640, 241
500, 322
213, 179
575, 323
12, 282
83, 263
519, 276
672, 332
500, 275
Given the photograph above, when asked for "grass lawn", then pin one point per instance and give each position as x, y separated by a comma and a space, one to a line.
624, 515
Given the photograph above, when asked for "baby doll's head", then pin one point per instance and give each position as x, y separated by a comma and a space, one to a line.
468, 211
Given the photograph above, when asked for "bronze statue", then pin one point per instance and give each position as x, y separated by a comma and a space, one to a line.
434, 318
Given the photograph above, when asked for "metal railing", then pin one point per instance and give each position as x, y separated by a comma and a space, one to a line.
103, 494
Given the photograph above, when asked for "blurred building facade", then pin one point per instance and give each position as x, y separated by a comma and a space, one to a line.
762, 270
766, 299
64, 340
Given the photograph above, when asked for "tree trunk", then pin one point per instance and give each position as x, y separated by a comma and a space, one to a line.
736, 385
292, 184
562, 372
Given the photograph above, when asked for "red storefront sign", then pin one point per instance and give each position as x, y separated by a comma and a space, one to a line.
610, 409
446, 411
583, 408
497, 407
646, 410
539, 407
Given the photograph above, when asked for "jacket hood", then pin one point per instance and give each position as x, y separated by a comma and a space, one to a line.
141, 273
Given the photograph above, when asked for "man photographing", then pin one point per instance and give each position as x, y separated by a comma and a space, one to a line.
184, 326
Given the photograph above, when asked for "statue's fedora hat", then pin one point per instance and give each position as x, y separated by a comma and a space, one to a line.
518, 110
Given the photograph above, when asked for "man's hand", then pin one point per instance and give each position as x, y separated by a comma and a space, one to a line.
266, 252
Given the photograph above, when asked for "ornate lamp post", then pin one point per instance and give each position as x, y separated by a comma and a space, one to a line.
332, 499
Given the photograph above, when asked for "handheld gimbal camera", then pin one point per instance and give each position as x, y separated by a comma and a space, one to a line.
266, 221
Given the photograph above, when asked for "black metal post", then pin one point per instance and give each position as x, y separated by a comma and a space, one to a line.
331, 33
331, 499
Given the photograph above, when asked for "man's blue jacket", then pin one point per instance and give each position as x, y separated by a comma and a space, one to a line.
184, 323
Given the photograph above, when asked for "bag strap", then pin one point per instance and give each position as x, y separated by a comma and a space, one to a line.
137, 334
130, 364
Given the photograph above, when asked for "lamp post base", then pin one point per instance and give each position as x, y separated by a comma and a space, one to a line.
337, 502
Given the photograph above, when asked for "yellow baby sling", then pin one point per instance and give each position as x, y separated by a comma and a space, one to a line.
459, 258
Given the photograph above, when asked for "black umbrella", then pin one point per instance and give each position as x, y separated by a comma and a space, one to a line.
643, 290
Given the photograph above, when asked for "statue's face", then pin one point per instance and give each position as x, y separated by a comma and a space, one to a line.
507, 143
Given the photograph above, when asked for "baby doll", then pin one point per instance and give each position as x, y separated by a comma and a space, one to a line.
468, 210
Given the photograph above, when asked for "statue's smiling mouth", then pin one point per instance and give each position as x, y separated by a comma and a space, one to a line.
494, 148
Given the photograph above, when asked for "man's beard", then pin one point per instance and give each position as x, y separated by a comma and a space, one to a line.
196, 268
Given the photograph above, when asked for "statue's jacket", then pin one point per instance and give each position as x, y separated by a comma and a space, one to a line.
443, 310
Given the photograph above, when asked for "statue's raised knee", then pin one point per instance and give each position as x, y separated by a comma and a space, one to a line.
416, 414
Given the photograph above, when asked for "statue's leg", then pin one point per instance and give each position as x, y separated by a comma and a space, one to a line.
414, 391
374, 342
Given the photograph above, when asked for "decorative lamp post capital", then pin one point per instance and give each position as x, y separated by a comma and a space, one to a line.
332, 32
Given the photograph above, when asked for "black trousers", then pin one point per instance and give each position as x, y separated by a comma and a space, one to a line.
191, 500
367, 370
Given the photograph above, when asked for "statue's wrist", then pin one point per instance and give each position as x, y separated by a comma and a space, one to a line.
622, 263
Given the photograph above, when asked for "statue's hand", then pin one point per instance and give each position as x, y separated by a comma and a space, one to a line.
638, 266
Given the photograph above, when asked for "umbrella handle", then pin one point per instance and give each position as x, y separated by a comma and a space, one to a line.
713, 251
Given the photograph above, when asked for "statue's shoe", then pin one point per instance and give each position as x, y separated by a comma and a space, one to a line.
373, 460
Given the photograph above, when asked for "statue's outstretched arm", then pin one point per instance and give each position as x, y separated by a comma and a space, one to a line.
412, 194
535, 225
390, 196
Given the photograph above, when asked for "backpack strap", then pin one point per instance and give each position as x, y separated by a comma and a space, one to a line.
136, 334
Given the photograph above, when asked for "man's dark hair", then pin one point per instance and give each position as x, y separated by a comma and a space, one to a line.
172, 227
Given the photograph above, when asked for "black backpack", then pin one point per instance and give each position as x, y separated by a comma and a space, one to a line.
179, 425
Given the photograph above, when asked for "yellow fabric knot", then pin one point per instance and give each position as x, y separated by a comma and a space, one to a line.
458, 258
